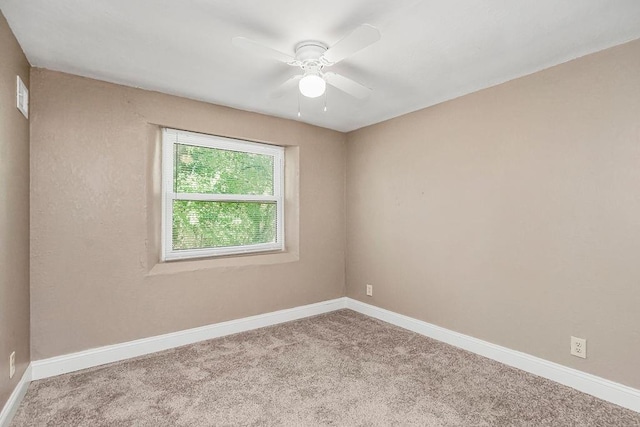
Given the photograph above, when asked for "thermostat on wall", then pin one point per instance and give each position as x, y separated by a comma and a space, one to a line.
22, 98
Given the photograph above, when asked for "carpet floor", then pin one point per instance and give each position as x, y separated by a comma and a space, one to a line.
341, 368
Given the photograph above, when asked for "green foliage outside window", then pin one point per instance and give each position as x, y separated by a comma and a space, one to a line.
212, 224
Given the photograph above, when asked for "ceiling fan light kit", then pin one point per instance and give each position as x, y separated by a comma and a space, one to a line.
309, 58
312, 57
312, 85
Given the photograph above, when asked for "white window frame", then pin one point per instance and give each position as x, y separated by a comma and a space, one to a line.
170, 137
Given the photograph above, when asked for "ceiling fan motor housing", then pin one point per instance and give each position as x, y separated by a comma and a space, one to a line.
308, 53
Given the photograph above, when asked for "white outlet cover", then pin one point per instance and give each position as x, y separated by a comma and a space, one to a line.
12, 364
579, 347
370, 290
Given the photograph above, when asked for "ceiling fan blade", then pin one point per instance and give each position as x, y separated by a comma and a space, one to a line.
261, 50
285, 87
357, 40
347, 85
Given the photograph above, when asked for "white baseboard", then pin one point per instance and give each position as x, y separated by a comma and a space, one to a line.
13, 403
113, 353
599, 387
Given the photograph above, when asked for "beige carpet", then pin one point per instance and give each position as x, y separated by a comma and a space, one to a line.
341, 369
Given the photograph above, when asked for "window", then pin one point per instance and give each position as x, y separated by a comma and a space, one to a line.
221, 196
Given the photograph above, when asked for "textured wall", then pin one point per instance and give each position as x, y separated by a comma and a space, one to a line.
512, 214
95, 277
14, 214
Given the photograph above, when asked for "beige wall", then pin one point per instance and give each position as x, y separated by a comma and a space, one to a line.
14, 214
511, 214
95, 277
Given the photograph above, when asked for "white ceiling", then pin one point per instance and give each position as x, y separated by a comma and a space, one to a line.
430, 51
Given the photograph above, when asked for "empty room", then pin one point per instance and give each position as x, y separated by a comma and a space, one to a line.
348, 213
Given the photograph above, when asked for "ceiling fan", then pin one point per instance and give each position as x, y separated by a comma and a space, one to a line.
313, 57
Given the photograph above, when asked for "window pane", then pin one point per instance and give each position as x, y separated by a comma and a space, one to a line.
216, 171
198, 224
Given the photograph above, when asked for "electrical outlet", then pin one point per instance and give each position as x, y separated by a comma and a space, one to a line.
370, 290
579, 347
12, 364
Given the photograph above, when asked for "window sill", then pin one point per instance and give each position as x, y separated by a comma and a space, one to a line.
230, 262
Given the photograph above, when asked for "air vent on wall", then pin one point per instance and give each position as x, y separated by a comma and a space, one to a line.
22, 97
